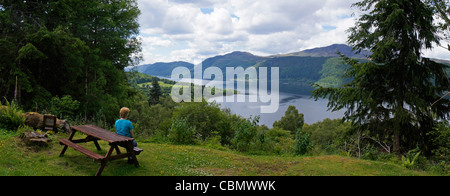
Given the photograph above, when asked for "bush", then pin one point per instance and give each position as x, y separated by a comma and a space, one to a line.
245, 132
278, 141
206, 118
181, 132
64, 107
11, 117
302, 143
291, 121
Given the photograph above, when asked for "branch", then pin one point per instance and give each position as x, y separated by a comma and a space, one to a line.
448, 93
442, 12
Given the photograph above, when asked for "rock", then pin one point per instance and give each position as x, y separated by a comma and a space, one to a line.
34, 120
35, 138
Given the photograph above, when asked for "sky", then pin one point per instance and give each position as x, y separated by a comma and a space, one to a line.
193, 30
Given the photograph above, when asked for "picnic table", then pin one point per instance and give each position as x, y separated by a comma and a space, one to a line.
93, 135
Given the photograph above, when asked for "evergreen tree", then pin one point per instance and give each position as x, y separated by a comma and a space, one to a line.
155, 92
391, 95
442, 9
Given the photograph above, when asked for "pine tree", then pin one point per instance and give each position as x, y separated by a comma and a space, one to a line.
391, 94
155, 92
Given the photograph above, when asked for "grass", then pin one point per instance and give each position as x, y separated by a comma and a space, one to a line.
17, 159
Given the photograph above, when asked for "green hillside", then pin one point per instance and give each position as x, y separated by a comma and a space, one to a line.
16, 159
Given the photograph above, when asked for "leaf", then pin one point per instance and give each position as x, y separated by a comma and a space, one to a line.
30, 52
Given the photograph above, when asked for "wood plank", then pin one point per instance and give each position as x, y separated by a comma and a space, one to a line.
78, 148
102, 134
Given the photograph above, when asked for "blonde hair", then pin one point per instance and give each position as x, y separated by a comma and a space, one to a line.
124, 112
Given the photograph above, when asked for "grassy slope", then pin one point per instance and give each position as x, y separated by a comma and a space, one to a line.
170, 160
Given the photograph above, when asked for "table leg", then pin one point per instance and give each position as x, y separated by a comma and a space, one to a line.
105, 160
65, 146
133, 155
97, 146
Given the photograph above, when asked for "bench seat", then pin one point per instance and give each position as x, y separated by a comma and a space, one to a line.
78, 148
137, 151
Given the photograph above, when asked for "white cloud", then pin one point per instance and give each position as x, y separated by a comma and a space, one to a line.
179, 30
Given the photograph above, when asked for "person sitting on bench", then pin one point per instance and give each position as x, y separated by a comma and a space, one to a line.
123, 126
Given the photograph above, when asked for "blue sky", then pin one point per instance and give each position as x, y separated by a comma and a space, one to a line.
193, 30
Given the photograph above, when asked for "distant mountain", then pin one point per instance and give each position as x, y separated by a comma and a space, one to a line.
297, 70
243, 59
162, 69
331, 51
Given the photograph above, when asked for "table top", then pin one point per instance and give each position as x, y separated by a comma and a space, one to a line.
102, 134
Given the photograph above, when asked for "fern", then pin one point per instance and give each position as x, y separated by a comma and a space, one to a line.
408, 162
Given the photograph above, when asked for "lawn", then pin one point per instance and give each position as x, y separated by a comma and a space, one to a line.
17, 159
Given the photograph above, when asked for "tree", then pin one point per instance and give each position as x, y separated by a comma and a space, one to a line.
442, 9
68, 47
392, 93
155, 92
291, 121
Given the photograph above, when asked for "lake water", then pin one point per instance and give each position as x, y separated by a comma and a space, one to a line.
314, 111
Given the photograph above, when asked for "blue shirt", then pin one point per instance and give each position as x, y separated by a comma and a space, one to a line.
123, 127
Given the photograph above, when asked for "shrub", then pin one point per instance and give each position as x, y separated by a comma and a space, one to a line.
278, 141
181, 133
206, 118
291, 121
410, 160
302, 143
245, 132
64, 107
11, 116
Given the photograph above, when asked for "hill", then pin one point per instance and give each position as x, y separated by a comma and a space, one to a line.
297, 70
162, 69
331, 51
16, 159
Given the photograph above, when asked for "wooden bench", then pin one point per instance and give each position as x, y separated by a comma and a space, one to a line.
78, 148
93, 135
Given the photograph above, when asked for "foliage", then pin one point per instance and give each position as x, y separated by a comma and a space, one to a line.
332, 73
391, 95
68, 47
64, 107
291, 121
273, 141
181, 132
409, 161
155, 92
328, 134
302, 142
11, 116
245, 132
206, 118
442, 9
441, 135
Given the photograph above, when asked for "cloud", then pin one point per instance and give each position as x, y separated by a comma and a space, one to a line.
191, 30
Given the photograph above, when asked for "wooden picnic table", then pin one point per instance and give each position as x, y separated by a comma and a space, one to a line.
93, 135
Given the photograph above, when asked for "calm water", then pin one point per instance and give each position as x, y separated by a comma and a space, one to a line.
314, 111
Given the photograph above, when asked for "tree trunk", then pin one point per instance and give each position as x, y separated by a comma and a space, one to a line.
397, 140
